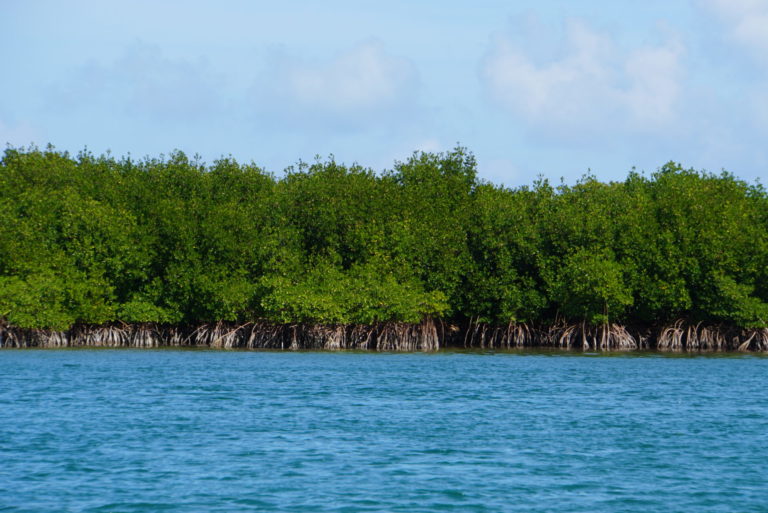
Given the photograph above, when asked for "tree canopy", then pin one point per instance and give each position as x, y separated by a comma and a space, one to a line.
96, 239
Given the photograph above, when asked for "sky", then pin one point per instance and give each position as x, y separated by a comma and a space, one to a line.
552, 88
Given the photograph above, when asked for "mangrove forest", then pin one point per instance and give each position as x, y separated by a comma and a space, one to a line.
106, 251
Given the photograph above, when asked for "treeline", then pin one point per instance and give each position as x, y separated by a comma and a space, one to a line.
89, 240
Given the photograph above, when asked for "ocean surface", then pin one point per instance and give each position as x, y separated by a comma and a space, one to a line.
207, 431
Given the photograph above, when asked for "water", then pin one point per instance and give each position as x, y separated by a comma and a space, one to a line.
161, 430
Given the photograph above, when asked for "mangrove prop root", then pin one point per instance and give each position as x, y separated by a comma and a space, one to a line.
394, 336
385, 336
683, 336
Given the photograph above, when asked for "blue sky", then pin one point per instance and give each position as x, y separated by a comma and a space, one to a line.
551, 87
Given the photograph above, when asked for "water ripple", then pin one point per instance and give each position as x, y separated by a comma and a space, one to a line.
135, 431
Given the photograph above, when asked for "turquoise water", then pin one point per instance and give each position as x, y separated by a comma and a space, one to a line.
161, 430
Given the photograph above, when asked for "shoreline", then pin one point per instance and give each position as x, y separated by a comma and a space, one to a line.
427, 336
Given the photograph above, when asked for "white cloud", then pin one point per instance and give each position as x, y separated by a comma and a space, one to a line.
747, 22
174, 87
591, 86
350, 88
746, 26
655, 79
143, 81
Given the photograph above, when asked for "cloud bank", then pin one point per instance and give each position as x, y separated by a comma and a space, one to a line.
746, 23
591, 86
361, 86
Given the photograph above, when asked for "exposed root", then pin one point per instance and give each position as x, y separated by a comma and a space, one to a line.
760, 340
489, 336
386, 336
395, 336
682, 336
559, 335
605, 337
22, 338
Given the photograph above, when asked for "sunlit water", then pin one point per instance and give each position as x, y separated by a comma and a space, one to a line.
161, 430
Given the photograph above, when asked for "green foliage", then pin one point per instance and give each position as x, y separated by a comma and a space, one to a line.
589, 285
732, 301
37, 301
362, 294
92, 239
